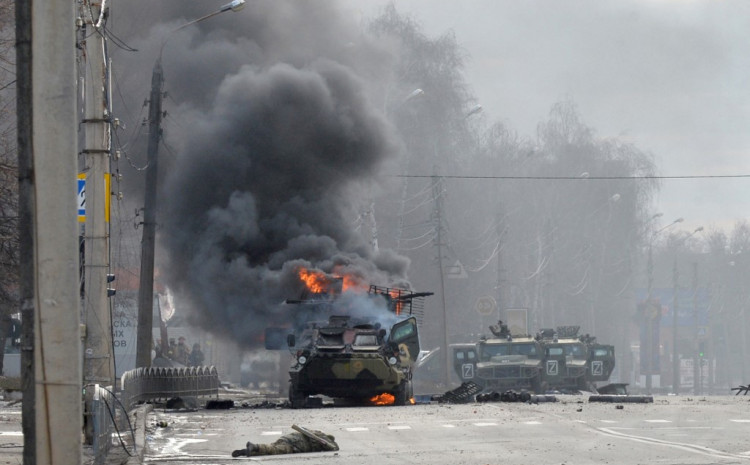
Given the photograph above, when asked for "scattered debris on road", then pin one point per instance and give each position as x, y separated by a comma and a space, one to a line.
742, 389
461, 395
622, 399
219, 404
515, 396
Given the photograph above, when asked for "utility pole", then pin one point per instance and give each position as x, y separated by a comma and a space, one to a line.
437, 193
148, 240
650, 308
98, 360
697, 371
648, 342
675, 312
500, 272
146, 286
49, 283
675, 322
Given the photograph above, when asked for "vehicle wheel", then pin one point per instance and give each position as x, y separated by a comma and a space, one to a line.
583, 385
403, 393
297, 399
537, 386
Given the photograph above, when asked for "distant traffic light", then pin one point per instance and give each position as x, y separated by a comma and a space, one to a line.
701, 349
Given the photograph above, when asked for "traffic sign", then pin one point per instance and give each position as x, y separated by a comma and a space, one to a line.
81, 197
486, 305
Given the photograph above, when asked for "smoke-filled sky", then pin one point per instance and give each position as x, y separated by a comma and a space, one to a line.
274, 144
277, 131
671, 76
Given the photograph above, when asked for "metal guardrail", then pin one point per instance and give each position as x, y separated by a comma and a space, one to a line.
155, 383
104, 414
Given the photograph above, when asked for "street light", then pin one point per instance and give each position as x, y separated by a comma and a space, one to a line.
474, 110
649, 318
675, 359
146, 285
413, 94
438, 195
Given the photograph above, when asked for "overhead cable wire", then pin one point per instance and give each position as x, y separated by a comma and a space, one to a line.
488, 236
430, 231
418, 225
424, 190
624, 288
577, 178
486, 261
582, 285
416, 207
542, 266
409, 249
119, 43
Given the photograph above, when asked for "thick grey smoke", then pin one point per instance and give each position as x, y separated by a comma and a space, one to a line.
282, 145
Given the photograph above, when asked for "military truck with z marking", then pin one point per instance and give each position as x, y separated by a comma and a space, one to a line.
557, 359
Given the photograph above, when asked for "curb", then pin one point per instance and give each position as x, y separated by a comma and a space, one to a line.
140, 419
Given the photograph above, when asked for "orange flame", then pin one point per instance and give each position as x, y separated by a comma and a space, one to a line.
353, 283
383, 399
316, 281
399, 303
412, 401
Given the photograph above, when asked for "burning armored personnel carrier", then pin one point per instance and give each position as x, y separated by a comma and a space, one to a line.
552, 360
361, 347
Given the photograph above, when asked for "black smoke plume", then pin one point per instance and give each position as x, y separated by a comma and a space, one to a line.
268, 177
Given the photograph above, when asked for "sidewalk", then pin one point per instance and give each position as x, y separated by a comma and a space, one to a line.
11, 436
139, 418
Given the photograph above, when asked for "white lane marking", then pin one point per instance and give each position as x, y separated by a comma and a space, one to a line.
485, 424
580, 421
532, 422
448, 426
174, 445
271, 433
677, 445
740, 420
355, 429
658, 421
11, 433
608, 421
399, 427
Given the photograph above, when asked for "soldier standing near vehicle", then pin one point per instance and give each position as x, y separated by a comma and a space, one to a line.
182, 352
302, 440
196, 356
172, 351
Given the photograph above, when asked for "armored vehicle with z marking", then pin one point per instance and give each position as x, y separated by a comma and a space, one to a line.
501, 363
552, 360
565, 360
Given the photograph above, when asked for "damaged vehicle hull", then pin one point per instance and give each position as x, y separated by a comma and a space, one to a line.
365, 363
363, 356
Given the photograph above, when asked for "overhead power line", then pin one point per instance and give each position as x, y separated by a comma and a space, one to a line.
573, 178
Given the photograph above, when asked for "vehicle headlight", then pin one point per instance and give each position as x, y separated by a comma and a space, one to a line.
392, 360
302, 360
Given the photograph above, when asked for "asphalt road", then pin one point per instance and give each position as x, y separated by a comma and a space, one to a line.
672, 430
